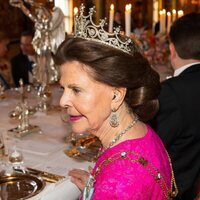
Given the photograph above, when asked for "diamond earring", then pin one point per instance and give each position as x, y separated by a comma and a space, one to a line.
114, 121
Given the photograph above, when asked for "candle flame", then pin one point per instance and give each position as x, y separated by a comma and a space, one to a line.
168, 14
174, 11
180, 13
164, 11
112, 7
75, 10
128, 7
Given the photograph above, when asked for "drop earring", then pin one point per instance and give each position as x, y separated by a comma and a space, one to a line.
114, 121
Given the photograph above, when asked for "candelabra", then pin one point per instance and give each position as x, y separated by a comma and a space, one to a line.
49, 33
22, 112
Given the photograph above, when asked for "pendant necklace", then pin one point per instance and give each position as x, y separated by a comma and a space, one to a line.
89, 188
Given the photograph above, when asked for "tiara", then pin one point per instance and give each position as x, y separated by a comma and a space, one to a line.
85, 28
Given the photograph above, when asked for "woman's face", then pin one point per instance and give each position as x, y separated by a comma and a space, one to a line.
87, 101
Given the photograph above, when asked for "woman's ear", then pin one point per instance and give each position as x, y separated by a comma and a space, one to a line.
118, 97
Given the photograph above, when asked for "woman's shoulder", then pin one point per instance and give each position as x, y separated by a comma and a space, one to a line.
127, 176
135, 163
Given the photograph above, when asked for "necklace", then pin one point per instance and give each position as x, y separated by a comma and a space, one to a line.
89, 188
122, 133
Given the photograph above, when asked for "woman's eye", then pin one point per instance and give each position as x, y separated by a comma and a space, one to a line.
76, 90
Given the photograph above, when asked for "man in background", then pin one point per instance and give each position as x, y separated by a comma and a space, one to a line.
178, 120
5, 68
22, 63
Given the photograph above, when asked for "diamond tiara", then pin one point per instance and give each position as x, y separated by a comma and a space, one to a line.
85, 28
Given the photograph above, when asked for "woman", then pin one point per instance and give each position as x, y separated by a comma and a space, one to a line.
110, 93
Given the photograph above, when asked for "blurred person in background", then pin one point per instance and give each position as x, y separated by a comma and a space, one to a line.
22, 64
5, 67
178, 120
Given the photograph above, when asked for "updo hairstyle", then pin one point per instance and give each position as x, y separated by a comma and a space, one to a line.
118, 69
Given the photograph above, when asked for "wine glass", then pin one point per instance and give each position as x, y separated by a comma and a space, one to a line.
16, 159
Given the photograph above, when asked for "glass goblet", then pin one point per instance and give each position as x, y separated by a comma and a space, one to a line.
16, 160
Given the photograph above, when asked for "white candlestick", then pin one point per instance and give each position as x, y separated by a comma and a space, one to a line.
128, 19
173, 15
75, 13
168, 21
164, 20
111, 18
161, 21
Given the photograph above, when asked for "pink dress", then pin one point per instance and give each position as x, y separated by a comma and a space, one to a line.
137, 169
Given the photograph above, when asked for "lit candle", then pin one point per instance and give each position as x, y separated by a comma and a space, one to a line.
111, 18
180, 13
75, 13
128, 19
164, 20
173, 15
168, 21
161, 21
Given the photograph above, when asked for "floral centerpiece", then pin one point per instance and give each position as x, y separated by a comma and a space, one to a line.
154, 48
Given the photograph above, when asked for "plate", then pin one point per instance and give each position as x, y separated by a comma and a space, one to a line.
20, 186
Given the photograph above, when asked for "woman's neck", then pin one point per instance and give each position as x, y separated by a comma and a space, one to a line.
107, 133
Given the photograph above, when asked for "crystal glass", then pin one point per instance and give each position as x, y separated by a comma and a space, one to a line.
15, 158
5, 168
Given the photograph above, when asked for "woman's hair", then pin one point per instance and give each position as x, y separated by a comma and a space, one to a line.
118, 69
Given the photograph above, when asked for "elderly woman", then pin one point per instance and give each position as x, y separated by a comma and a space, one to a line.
110, 92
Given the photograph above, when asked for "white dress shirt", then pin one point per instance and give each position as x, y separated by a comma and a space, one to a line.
181, 69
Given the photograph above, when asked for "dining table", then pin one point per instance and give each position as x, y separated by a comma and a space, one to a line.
42, 150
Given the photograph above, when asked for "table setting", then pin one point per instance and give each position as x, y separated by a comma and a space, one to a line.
35, 165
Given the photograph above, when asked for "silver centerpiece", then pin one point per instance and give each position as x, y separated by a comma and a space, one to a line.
49, 33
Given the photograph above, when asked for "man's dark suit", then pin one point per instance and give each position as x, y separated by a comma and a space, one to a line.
178, 124
20, 68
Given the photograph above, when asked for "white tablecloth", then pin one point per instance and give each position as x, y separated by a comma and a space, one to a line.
44, 151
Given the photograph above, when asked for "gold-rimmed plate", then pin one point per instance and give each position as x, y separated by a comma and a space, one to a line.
20, 186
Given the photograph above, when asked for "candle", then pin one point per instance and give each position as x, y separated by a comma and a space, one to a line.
111, 18
164, 20
161, 19
128, 19
173, 15
75, 13
180, 13
168, 21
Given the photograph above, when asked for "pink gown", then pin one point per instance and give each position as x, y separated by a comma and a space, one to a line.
138, 169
